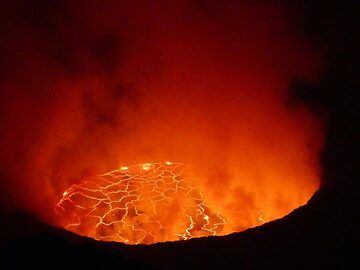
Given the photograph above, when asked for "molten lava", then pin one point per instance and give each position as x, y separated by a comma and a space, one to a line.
141, 204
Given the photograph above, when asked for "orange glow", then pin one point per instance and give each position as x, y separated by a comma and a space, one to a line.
110, 84
142, 204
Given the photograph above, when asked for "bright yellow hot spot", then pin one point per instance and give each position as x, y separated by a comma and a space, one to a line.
146, 166
141, 204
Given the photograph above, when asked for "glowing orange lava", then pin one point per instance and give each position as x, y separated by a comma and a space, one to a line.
141, 204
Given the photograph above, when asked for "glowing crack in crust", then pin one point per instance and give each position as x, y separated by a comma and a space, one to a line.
140, 204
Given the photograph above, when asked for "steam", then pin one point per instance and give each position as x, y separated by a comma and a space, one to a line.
90, 87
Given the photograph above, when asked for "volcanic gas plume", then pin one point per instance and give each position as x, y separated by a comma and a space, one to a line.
90, 87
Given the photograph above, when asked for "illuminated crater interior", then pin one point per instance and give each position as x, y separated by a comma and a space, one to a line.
140, 204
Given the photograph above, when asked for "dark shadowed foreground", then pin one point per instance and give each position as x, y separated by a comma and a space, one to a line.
319, 235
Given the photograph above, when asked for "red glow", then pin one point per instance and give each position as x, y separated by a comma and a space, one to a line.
119, 84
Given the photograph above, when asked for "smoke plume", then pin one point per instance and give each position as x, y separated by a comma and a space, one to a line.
89, 86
